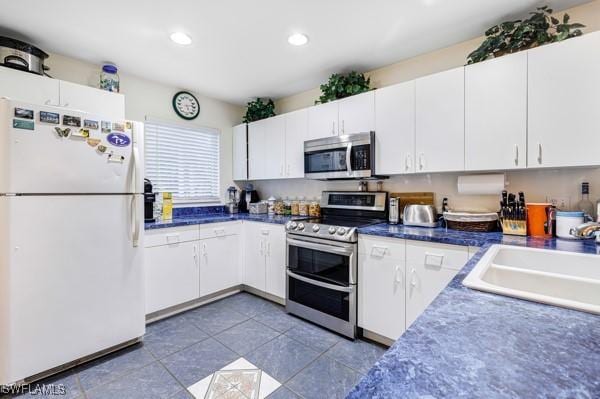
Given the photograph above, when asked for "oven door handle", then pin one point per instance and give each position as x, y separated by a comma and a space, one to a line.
319, 283
321, 247
348, 158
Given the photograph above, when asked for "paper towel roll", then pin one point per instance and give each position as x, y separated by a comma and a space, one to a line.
481, 184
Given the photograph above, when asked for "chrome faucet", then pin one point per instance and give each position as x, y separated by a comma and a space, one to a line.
587, 230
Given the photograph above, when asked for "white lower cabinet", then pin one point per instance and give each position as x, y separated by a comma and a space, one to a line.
172, 268
398, 280
429, 269
381, 288
220, 257
264, 258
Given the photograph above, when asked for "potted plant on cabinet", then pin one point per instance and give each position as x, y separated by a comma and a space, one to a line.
341, 86
259, 109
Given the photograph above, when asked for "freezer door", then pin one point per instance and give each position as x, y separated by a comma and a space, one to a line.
36, 158
71, 281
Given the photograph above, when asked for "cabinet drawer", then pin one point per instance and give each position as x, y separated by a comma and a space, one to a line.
171, 236
381, 247
437, 255
212, 230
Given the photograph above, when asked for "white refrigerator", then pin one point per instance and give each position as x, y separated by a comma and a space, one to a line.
71, 230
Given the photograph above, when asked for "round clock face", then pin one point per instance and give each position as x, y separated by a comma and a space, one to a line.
186, 105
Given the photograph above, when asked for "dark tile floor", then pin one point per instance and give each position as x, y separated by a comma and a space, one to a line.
308, 361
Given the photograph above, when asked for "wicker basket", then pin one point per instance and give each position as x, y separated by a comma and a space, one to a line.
476, 222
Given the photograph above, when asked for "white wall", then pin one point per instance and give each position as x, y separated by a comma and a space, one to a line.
537, 184
144, 98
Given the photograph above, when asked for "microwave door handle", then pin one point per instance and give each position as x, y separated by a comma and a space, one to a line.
348, 156
319, 283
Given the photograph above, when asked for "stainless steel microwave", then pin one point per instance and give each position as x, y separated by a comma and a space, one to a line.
341, 157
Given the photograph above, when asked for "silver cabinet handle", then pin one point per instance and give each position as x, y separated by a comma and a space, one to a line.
333, 128
516, 155
421, 163
413, 281
377, 250
281, 170
262, 248
319, 283
195, 255
343, 130
407, 162
539, 157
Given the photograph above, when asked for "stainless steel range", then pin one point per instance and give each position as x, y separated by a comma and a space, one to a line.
322, 259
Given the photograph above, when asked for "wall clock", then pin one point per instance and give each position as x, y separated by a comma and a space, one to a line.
186, 105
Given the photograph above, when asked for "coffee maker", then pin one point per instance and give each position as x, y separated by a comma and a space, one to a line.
248, 196
149, 200
232, 200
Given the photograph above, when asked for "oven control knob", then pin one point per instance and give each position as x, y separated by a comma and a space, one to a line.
316, 228
300, 226
341, 231
332, 230
293, 225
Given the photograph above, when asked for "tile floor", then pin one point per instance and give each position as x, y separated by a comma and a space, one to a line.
307, 361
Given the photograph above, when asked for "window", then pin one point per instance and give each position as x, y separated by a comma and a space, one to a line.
183, 161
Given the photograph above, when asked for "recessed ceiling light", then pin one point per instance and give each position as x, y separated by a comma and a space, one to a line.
298, 39
181, 38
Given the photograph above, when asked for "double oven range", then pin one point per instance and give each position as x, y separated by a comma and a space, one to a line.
322, 264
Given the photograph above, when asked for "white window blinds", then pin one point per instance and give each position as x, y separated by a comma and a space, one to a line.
183, 161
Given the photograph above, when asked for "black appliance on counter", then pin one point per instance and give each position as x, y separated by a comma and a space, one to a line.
248, 196
22, 56
149, 200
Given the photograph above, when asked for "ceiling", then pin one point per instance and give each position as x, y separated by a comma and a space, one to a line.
240, 48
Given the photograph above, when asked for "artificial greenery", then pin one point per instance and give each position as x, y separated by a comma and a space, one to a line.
340, 86
511, 36
259, 109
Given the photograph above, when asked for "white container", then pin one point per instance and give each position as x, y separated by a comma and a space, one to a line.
565, 221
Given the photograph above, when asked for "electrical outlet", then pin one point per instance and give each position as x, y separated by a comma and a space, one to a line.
561, 203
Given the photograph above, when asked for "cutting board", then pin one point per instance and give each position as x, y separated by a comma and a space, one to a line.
423, 198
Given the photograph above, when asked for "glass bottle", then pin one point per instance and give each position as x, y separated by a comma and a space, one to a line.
287, 206
295, 207
585, 205
109, 79
303, 207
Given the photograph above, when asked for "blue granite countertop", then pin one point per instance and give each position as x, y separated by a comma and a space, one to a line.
473, 344
216, 218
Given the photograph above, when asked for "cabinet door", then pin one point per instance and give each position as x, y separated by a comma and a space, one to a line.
257, 133
275, 266
496, 113
254, 255
564, 103
429, 268
172, 275
28, 87
381, 295
323, 120
395, 129
296, 131
240, 152
274, 145
357, 114
220, 264
440, 122
100, 102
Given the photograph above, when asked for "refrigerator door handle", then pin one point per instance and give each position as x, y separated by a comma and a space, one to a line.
135, 229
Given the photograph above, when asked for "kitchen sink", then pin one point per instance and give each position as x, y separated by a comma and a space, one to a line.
567, 279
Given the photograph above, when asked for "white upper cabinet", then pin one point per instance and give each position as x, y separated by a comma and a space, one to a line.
323, 120
28, 87
296, 132
564, 103
440, 121
257, 133
42, 90
88, 99
240, 152
496, 113
395, 129
274, 147
357, 114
